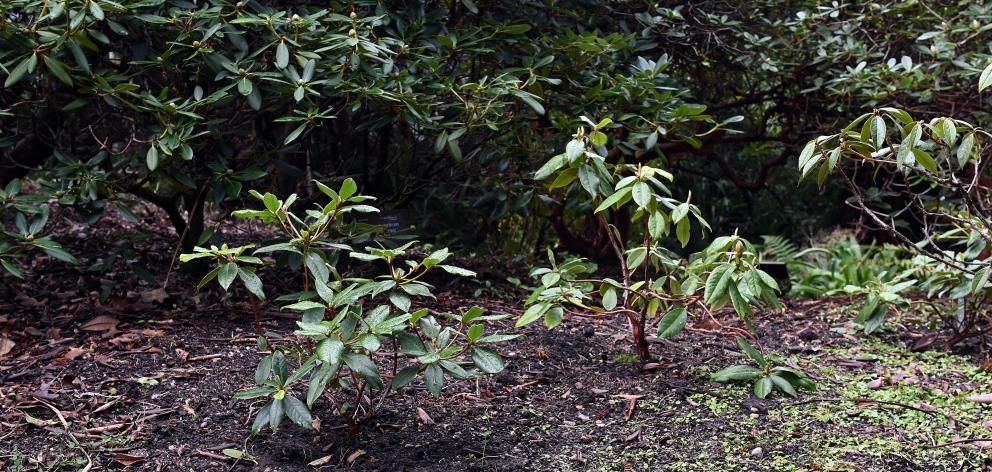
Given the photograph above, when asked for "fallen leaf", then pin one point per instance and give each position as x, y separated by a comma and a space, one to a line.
321, 461
127, 459
153, 333
424, 417
875, 384
233, 453
981, 398
6, 345
126, 338
105, 323
39, 422
73, 353
355, 455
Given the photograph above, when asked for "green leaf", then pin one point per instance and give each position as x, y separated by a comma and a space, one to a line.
532, 314
783, 385
716, 283
807, 153
589, 180
531, 102
318, 382
96, 10
878, 133
404, 377
642, 194
986, 78
233, 453
487, 360
763, 387
741, 305
255, 392
261, 419
297, 411
294, 134
673, 322
457, 270
564, 178
613, 199
574, 150
474, 332
965, 148
276, 412
737, 372
553, 317
14, 270
498, 338
550, 167
151, 157
925, 160
682, 231
252, 283
598, 138
434, 378
58, 69
980, 280
908, 143
304, 305
610, 299
282, 55
330, 350
752, 352
60, 254
263, 370
18, 72
364, 366
226, 274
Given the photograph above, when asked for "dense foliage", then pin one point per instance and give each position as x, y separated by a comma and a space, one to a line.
450, 109
185, 105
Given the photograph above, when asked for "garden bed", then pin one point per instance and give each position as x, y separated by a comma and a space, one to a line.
145, 380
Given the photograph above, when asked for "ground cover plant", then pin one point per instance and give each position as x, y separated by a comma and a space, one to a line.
503, 235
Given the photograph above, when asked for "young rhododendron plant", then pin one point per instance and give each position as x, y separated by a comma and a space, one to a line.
771, 374
358, 339
925, 183
652, 279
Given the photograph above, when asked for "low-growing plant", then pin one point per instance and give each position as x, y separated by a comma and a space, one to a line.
30, 216
652, 278
771, 373
359, 339
880, 274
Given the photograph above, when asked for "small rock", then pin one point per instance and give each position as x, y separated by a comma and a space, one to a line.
757, 453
